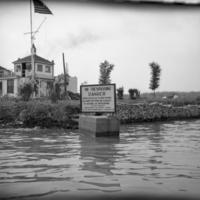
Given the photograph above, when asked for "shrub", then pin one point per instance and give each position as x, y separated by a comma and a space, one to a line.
36, 114
55, 92
134, 93
120, 93
9, 110
45, 114
74, 96
198, 100
27, 89
6, 111
7, 97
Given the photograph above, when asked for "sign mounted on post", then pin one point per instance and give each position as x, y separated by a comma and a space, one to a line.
98, 98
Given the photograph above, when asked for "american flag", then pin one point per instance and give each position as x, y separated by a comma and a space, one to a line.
41, 8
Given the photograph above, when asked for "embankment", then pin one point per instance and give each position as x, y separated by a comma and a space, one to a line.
64, 114
128, 113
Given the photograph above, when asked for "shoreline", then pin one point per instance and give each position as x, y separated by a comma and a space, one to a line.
21, 126
126, 113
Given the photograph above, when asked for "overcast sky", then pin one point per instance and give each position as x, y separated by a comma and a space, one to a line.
128, 37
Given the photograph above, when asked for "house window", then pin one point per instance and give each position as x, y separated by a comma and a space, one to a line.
28, 67
48, 69
10, 86
18, 68
39, 68
1, 88
1, 73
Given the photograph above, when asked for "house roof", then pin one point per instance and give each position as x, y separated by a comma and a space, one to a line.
2, 68
37, 59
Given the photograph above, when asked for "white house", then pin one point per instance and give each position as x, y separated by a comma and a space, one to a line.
43, 71
43, 74
8, 82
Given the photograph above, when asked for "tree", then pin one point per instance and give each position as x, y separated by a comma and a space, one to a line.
134, 93
120, 93
105, 70
155, 76
60, 82
27, 89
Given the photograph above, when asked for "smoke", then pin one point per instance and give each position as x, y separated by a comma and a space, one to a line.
74, 40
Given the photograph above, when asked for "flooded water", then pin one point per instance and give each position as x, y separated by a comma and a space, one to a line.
159, 159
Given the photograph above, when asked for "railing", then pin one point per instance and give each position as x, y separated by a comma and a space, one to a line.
9, 75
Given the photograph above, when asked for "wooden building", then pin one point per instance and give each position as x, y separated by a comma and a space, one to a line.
43, 73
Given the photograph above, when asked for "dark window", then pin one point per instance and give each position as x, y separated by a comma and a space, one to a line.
1, 87
23, 69
10, 86
39, 68
48, 69
18, 68
1, 73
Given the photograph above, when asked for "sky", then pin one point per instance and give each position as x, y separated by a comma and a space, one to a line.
128, 37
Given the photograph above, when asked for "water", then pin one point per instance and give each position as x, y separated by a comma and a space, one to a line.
148, 159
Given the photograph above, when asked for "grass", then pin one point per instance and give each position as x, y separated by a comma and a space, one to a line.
184, 98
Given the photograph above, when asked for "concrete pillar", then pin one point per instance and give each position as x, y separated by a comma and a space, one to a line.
99, 126
4, 87
16, 86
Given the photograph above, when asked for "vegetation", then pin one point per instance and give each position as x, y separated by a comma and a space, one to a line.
105, 71
134, 93
27, 89
47, 115
39, 113
60, 82
57, 91
168, 98
120, 93
155, 76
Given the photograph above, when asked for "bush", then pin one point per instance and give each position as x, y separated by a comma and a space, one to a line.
26, 90
48, 115
74, 96
198, 100
9, 110
134, 93
6, 111
120, 93
55, 92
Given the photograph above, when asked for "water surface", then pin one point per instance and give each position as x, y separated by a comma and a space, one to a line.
148, 159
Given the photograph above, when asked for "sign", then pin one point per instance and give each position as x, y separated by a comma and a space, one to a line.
98, 98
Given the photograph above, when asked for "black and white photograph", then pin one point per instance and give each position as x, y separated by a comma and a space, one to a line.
99, 99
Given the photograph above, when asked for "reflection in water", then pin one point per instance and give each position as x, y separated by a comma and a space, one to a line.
99, 155
150, 158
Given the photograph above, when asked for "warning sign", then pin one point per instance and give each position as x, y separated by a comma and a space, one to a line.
98, 98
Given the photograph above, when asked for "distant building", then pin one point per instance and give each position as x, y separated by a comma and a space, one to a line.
8, 82
43, 73
73, 84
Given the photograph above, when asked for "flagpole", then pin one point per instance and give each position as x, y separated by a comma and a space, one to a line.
31, 27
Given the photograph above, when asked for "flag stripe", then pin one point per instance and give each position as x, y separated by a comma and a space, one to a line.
40, 7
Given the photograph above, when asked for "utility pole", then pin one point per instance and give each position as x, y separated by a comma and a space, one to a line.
31, 29
65, 78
